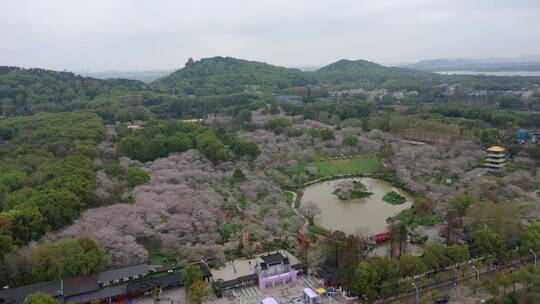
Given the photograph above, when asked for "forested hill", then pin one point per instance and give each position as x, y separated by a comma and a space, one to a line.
28, 91
361, 73
224, 75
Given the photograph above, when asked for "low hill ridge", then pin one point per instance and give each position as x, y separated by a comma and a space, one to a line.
223, 75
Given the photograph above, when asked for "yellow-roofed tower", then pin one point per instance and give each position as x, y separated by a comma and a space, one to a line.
496, 158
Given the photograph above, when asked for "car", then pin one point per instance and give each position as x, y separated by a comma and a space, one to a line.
442, 300
495, 266
297, 300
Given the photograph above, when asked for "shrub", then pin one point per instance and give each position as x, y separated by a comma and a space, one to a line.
40, 298
322, 133
113, 168
238, 176
136, 176
278, 125
350, 140
294, 132
394, 198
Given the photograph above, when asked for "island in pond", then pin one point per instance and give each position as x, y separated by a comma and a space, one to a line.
351, 189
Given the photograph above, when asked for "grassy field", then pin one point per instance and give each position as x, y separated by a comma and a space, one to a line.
369, 164
290, 198
155, 257
318, 230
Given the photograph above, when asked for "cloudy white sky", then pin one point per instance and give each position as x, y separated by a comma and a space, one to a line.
162, 34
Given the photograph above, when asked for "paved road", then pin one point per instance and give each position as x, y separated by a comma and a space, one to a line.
461, 293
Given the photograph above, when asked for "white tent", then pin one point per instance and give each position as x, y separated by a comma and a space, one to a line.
269, 300
311, 296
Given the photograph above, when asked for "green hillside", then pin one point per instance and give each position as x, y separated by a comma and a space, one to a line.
28, 91
361, 73
224, 75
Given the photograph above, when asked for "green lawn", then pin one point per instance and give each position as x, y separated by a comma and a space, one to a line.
318, 230
369, 164
289, 196
156, 257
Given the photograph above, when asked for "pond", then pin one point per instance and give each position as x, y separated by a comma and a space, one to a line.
365, 214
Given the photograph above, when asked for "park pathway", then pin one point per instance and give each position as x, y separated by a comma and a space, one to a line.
297, 212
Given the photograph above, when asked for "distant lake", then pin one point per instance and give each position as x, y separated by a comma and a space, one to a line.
499, 73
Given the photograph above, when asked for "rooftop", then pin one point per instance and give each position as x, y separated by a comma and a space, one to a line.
147, 284
102, 293
85, 288
80, 285
122, 272
496, 149
274, 258
245, 267
290, 98
17, 295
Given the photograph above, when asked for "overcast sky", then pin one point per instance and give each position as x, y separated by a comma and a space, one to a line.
163, 34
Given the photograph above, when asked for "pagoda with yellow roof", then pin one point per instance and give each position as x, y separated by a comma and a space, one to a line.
496, 158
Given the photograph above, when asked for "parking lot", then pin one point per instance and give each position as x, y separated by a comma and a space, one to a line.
290, 293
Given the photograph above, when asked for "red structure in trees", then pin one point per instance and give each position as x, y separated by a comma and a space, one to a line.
302, 240
381, 237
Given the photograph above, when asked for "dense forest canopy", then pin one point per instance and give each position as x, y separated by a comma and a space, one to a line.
46, 172
161, 138
148, 105
27, 91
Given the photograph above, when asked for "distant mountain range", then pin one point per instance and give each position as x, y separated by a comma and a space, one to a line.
146, 76
522, 63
